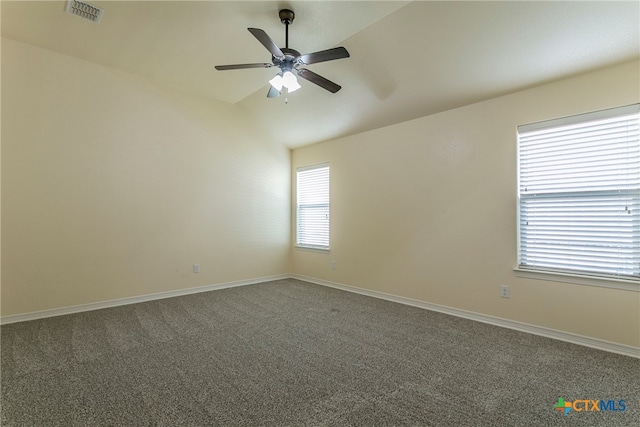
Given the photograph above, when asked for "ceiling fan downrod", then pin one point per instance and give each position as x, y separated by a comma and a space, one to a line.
286, 17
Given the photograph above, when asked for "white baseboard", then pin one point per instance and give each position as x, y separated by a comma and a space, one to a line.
133, 300
611, 347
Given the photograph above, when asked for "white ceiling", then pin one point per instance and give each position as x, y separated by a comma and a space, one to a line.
408, 59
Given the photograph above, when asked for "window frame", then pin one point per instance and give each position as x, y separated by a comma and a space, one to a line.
306, 245
584, 277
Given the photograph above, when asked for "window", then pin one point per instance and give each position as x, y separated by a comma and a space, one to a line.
313, 207
579, 194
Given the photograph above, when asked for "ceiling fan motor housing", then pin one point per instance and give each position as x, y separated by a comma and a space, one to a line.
288, 61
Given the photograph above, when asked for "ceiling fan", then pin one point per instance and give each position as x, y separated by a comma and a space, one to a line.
290, 61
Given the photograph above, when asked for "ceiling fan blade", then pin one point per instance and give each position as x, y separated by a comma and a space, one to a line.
266, 42
319, 80
324, 55
273, 92
241, 66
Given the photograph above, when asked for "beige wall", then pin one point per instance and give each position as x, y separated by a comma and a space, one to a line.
426, 209
113, 187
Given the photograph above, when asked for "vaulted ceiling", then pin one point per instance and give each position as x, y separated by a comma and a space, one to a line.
408, 59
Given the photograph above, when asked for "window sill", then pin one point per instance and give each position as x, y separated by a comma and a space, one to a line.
578, 279
312, 249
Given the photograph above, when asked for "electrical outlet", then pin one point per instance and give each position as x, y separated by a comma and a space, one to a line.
196, 268
333, 265
504, 291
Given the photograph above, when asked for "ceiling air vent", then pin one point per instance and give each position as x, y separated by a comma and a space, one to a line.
84, 10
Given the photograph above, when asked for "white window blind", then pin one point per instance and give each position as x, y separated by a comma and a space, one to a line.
579, 194
313, 207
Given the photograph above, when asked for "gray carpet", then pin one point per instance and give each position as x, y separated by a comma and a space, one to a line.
290, 353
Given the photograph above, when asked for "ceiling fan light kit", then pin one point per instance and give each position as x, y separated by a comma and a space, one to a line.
286, 80
290, 61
